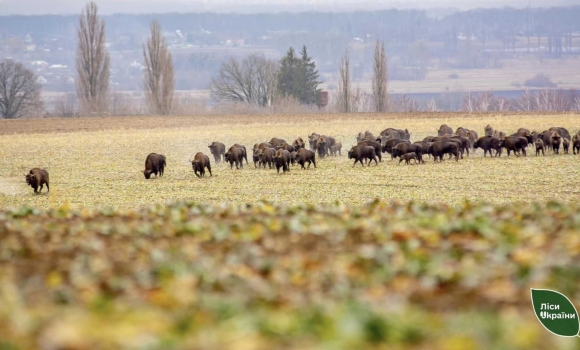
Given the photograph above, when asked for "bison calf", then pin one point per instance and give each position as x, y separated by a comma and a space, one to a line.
539, 147
576, 144
407, 158
37, 178
199, 163
565, 144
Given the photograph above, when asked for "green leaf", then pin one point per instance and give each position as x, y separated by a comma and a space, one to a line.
556, 312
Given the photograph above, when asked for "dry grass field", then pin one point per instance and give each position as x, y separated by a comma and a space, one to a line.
98, 162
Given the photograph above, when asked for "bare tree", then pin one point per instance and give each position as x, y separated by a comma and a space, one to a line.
65, 105
380, 78
19, 91
119, 104
431, 106
92, 62
502, 104
158, 74
469, 103
344, 95
252, 81
526, 103
484, 101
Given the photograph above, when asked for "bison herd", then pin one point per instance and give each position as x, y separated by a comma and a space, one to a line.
280, 154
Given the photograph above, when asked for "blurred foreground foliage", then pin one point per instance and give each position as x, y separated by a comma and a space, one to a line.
265, 276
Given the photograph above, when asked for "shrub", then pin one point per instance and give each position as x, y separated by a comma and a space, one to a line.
540, 80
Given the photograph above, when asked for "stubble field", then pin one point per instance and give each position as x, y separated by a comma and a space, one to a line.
98, 163
252, 259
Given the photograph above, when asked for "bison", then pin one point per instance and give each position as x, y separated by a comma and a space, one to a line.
154, 164
388, 146
444, 130
267, 157
563, 132
287, 147
360, 152
539, 147
461, 131
516, 144
407, 158
218, 150
312, 138
276, 142
306, 156
298, 143
488, 143
556, 141
337, 147
440, 148
565, 144
235, 155
488, 130
404, 148
376, 145
576, 144
199, 163
282, 160
37, 178
400, 134
472, 136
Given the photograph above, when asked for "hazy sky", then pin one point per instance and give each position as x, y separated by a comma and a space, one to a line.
34, 7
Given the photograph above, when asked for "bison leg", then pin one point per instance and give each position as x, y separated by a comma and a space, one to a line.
209, 169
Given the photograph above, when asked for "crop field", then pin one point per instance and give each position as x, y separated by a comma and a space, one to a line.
430, 256
102, 168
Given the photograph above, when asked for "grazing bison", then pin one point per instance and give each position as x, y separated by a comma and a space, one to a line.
282, 160
556, 141
267, 157
565, 144
465, 144
376, 145
298, 143
235, 155
306, 156
336, 148
154, 164
576, 144
440, 148
488, 131
539, 147
488, 143
444, 130
244, 152
405, 147
199, 163
516, 144
312, 138
360, 152
218, 150
407, 158
37, 178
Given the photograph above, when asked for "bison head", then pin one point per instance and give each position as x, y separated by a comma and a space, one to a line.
31, 179
147, 173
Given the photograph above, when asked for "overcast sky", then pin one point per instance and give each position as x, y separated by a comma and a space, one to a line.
35, 7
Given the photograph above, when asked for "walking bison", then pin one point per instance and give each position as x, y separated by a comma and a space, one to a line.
36, 179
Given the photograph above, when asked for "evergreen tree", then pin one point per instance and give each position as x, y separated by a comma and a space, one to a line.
308, 76
299, 77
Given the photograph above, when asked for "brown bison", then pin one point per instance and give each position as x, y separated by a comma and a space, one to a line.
235, 155
217, 149
37, 178
407, 158
396, 134
525, 133
245, 153
405, 147
199, 163
461, 131
287, 147
367, 135
488, 143
565, 144
376, 145
465, 144
306, 156
499, 134
154, 164
388, 146
267, 157
546, 136
336, 148
440, 148
276, 142
556, 141
282, 160
516, 144
444, 130
312, 138
358, 153
576, 144
539, 147
293, 156
563, 132
424, 146
473, 137
298, 143
488, 131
